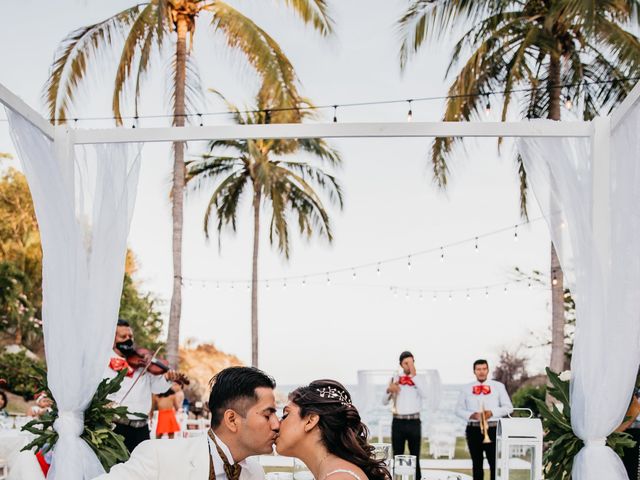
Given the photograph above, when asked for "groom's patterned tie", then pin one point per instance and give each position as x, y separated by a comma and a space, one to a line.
232, 471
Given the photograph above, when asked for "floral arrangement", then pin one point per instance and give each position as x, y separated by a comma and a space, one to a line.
562, 444
98, 424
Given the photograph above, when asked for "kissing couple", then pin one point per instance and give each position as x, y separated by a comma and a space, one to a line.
320, 426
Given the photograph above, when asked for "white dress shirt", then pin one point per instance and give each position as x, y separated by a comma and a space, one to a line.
218, 463
139, 399
497, 401
408, 400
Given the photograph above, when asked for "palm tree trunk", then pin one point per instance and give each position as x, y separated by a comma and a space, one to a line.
557, 360
177, 193
254, 279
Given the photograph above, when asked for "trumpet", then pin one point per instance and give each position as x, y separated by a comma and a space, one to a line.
484, 425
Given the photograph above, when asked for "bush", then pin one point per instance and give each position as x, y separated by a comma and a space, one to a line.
524, 397
20, 373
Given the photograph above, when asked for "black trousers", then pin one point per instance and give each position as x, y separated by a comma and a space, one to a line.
133, 436
410, 432
631, 456
477, 449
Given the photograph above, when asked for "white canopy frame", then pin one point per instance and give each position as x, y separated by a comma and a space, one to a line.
598, 131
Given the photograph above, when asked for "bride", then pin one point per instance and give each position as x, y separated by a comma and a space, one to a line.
321, 427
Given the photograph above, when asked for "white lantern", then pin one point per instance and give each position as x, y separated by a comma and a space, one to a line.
519, 448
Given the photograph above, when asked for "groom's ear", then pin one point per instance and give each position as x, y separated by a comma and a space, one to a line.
311, 421
230, 420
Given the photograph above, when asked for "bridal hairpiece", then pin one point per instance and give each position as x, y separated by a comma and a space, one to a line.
334, 393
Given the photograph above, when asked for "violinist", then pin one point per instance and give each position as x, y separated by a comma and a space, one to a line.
137, 387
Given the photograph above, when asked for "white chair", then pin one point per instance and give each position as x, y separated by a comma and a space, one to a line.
194, 427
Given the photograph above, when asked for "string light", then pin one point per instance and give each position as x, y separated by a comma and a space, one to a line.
515, 233
201, 122
421, 295
304, 282
328, 280
486, 293
335, 114
267, 284
554, 280
450, 296
487, 108
468, 295
284, 285
406, 295
410, 113
353, 104
408, 258
353, 276
435, 297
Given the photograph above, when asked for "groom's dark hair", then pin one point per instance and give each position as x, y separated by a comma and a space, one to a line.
235, 388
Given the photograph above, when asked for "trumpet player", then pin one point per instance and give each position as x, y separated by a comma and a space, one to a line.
481, 404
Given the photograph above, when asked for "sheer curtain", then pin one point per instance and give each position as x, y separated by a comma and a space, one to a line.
84, 205
605, 285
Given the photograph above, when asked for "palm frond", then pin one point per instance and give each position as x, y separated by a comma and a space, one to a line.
75, 53
315, 12
278, 79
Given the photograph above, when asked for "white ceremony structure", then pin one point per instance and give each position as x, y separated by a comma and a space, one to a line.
585, 175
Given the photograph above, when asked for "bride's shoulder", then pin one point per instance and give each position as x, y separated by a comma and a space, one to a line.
348, 471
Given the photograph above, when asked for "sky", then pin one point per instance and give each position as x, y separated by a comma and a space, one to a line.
392, 207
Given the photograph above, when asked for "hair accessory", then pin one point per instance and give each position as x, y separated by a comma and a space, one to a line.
334, 393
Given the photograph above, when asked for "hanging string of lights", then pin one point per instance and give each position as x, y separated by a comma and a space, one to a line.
378, 264
421, 293
566, 87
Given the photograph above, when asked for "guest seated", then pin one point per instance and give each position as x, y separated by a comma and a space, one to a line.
42, 406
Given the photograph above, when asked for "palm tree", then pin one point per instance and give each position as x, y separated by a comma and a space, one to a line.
166, 27
287, 187
579, 52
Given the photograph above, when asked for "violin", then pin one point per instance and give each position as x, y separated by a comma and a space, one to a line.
140, 357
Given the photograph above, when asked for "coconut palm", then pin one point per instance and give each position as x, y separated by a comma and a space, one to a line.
284, 186
579, 52
165, 28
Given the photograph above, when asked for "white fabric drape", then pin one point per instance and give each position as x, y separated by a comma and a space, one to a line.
604, 284
83, 204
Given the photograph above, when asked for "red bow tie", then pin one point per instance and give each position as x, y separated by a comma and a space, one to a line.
406, 380
481, 390
118, 364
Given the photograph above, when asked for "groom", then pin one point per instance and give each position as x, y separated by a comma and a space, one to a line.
243, 424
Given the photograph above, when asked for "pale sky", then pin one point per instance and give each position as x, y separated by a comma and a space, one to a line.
392, 207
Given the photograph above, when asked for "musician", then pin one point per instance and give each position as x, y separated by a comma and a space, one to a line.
406, 392
136, 397
486, 398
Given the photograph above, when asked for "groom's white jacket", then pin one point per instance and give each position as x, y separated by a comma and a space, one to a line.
182, 458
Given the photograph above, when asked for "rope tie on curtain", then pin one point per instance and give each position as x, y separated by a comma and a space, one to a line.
69, 424
595, 442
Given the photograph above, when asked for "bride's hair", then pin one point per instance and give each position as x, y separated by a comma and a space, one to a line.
341, 427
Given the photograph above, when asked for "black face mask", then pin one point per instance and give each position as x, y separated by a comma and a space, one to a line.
125, 347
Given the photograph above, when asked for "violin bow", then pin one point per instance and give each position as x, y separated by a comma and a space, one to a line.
146, 367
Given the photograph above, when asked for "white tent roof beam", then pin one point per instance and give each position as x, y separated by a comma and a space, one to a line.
538, 128
16, 104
